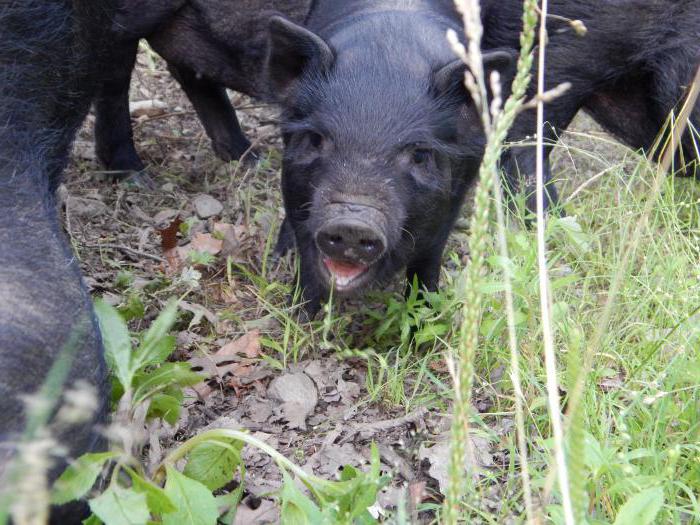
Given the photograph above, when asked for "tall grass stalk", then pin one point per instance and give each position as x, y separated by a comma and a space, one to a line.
545, 310
496, 124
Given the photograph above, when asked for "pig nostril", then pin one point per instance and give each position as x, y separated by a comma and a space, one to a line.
370, 245
367, 244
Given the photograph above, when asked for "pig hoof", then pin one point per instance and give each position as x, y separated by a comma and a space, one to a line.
138, 179
243, 153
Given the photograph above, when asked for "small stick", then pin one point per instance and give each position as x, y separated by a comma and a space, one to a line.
138, 121
377, 426
127, 249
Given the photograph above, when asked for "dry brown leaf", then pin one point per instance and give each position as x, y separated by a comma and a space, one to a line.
439, 457
297, 395
234, 357
168, 235
199, 312
231, 237
205, 242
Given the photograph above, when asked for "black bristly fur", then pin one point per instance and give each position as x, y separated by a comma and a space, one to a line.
50, 54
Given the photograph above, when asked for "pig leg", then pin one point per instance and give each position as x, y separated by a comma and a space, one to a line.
519, 164
285, 239
426, 270
427, 264
114, 140
312, 289
216, 113
571, 62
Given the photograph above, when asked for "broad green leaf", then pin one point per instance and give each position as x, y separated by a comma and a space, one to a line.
119, 506
232, 499
167, 374
115, 336
133, 309
297, 508
642, 508
166, 407
151, 349
158, 352
195, 503
92, 520
214, 463
79, 477
157, 500
578, 239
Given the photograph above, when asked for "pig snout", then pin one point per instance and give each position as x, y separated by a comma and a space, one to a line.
351, 239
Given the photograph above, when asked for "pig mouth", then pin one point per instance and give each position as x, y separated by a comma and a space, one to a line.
346, 276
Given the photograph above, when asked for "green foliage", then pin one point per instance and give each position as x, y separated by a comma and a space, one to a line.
213, 459
642, 508
198, 258
212, 463
194, 502
142, 371
79, 477
119, 506
133, 308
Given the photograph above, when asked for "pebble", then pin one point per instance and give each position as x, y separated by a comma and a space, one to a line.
207, 206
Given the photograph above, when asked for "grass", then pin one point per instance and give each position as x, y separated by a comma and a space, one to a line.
632, 444
638, 426
639, 421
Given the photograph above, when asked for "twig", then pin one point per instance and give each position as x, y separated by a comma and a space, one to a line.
125, 249
146, 118
369, 429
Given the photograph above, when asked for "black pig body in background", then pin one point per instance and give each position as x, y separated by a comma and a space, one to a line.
209, 45
382, 141
50, 52
629, 71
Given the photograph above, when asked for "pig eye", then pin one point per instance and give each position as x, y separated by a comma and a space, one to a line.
421, 155
315, 139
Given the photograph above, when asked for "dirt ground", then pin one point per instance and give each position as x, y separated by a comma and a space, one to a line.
315, 411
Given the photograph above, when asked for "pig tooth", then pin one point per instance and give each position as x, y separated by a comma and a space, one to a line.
342, 281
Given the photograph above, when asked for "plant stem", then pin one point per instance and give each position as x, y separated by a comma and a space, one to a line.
547, 335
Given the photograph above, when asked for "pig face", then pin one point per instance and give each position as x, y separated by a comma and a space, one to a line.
379, 150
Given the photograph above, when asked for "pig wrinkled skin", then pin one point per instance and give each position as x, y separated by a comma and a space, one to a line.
382, 140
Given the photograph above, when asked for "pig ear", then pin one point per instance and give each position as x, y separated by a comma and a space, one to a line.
292, 51
450, 78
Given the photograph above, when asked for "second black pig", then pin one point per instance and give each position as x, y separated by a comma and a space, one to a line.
209, 46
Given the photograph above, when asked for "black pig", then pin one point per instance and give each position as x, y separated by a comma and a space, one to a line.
380, 143
50, 51
629, 71
209, 46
